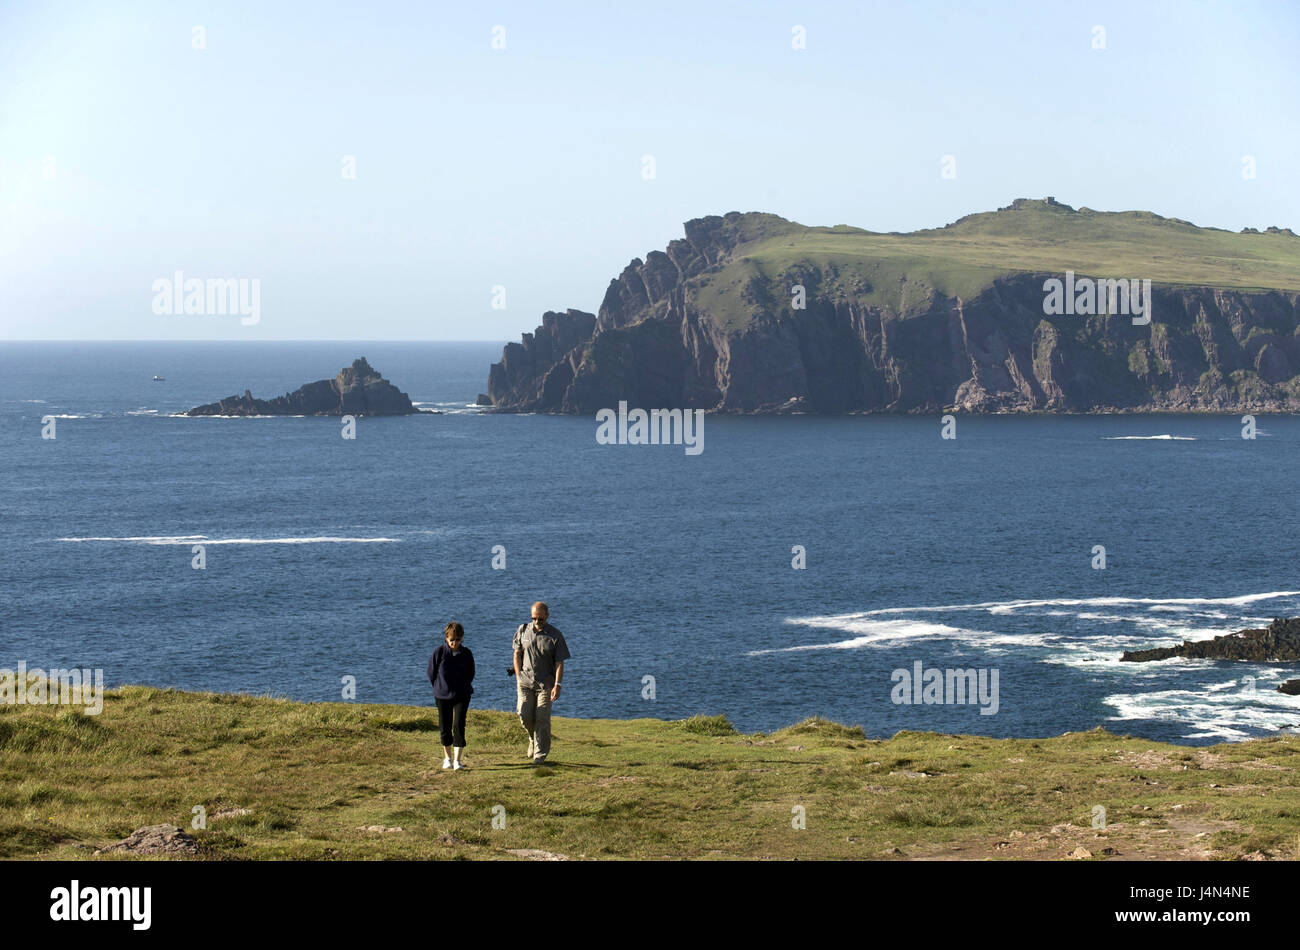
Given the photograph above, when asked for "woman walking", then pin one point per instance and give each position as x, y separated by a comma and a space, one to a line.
451, 671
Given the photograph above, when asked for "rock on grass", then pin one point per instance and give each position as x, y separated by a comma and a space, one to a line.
155, 839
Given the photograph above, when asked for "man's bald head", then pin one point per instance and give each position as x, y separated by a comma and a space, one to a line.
541, 611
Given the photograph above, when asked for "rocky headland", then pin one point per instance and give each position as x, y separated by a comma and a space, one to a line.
753, 313
358, 390
1279, 642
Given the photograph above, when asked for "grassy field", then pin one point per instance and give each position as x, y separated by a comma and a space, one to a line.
282, 779
902, 272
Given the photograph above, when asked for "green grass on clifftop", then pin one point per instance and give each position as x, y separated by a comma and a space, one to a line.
902, 272
314, 777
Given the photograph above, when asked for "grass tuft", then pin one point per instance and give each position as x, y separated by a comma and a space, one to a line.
718, 725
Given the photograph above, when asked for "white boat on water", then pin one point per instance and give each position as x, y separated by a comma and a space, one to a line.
160, 379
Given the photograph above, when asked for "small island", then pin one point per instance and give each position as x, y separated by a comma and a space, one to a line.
358, 390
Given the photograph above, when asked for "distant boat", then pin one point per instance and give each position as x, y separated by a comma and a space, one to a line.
160, 379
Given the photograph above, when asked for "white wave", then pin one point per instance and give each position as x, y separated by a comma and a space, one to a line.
1211, 708
451, 408
866, 629
1118, 618
1260, 677
1196, 634
871, 633
1222, 714
76, 415
1140, 619
1006, 606
874, 633
142, 412
186, 415
1209, 614
1149, 438
185, 539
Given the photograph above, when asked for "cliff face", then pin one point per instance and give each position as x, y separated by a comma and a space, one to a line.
704, 325
357, 390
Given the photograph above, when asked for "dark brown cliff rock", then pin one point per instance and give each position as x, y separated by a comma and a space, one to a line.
681, 329
357, 390
1279, 642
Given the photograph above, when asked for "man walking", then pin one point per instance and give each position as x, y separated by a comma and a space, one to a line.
540, 652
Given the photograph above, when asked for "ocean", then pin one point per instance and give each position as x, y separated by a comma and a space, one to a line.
670, 574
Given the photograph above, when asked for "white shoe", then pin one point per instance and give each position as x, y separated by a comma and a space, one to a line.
456, 767
446, 762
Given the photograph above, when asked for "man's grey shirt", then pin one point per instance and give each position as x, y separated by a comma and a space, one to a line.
543, 647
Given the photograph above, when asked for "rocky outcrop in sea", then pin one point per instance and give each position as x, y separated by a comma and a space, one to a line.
358, 390
1279, 642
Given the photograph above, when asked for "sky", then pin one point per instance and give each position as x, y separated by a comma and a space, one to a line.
450, 171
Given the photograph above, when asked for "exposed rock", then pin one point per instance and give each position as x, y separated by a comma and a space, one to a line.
155, 839
1279, 642
1079, 854
358, 390
1290, 687
450, 840
702, 325
379, 829
538, 370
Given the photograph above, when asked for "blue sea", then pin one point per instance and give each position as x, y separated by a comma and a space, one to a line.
329, 558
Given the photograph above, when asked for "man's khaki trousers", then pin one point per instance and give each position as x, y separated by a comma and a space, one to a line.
535, 715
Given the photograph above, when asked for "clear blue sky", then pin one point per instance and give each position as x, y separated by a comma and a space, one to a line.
522, 167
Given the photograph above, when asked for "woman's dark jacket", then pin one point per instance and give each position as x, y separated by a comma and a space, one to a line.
451, 673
